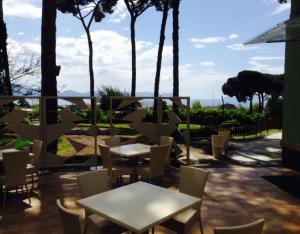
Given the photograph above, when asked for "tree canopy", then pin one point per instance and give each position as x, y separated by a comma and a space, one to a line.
247, 84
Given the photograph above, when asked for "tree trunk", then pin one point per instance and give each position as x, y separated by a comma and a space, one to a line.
91, 71
159, 55
91, 60
259, 102
133, 57
176, 48
48, 63
262, 102
160, 48
251, 104
4, 66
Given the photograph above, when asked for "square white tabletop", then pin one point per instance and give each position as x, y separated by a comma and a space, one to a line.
138, 207
7, 151
131, 150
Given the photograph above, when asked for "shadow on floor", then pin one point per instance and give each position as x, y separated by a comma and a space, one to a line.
289, 184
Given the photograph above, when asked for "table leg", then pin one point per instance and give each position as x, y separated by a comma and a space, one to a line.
134, 162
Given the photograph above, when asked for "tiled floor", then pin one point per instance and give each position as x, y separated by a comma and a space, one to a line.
234, 196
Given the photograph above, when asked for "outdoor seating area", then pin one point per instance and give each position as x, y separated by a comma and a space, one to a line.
149, 116
250, 198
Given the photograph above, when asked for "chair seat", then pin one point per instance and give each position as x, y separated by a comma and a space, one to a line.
100, 225
183, 221
30, 169
146, 161
119, 162
120, 170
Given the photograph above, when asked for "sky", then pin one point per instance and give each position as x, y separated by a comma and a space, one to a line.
212, 34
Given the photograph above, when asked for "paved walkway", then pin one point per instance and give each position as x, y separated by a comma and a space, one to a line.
263, 152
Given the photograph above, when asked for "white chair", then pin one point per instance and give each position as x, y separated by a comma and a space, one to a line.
251, 228
192, 182
14, 173
92, 183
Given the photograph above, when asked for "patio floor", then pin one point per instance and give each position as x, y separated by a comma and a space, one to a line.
234, 196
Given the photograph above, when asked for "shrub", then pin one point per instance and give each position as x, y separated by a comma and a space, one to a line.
196, 105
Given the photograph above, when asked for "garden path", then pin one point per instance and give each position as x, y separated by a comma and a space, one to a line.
262, 152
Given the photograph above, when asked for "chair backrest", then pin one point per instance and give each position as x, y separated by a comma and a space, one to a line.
15, 168
106, 158
158, 155
166, 140
37, 148
192, 181
217, 140
70, 220
113, 141
92, 183
226, 135
251, 228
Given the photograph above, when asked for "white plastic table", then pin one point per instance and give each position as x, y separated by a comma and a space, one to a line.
6, 151
138, 207
131, 150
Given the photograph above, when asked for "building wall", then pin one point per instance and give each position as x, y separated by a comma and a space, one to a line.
291, 109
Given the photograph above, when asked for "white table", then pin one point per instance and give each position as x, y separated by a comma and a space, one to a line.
131, 150
7, 151
138, 207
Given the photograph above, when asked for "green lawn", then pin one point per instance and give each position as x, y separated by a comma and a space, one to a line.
258, 135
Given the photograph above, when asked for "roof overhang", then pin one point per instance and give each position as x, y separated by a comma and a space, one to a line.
286, 31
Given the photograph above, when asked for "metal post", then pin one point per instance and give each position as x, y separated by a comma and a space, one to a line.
188, 131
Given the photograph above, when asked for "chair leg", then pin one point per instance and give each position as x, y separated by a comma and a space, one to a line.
28, 194
200, 224
38, 179
153, 230
4, 197
32, 181
85, 229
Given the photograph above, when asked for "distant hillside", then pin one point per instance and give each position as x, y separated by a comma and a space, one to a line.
204, 102
72, 93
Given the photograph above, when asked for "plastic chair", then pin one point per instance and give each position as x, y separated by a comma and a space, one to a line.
192, 182
251, 228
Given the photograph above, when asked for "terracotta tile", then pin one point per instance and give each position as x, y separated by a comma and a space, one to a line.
234, 195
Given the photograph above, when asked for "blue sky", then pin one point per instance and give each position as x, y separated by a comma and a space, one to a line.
211, 50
